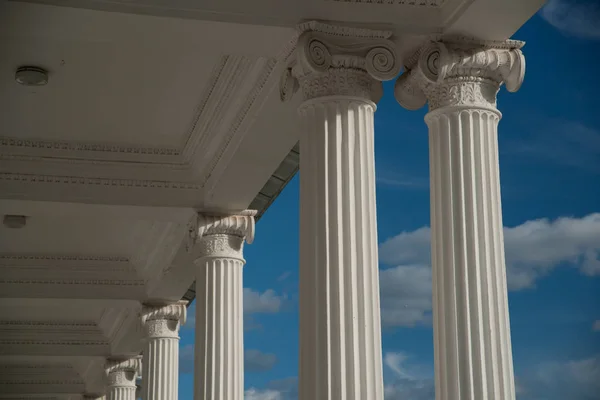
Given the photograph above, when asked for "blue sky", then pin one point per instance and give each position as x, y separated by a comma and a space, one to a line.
550, 174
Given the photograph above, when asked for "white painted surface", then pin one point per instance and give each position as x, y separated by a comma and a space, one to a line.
111, 161
160, 375
473, 356
121, 378
219, 345
340, 328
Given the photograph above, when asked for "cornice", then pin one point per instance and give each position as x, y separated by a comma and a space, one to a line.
101, 182
61, 263
94, 282
31, 324
63, 145
406, 3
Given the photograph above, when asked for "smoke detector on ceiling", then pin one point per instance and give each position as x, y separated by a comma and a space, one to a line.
31, 76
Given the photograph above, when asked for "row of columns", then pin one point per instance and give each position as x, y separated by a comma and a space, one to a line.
339, 72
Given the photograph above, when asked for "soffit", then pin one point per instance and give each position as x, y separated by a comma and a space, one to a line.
485, 19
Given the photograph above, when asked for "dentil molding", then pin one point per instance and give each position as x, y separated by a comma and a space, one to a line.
459, 72
333, 60
411, 3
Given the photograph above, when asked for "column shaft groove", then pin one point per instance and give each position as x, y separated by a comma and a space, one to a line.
473, 354
219, 358
340, 341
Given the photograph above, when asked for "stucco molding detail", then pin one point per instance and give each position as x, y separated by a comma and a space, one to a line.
163, 320
333, 60
460, 72
224, 236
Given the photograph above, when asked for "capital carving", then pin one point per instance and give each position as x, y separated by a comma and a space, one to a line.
332, 60
163, 321
223, 236
123, 372
460, 73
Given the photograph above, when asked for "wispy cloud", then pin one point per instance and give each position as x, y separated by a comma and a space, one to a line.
279, 389
254, 360
574, 17
565, 143
257, 361
406, 381
267, 302
570, 379
284, 276
255, 302
533, 250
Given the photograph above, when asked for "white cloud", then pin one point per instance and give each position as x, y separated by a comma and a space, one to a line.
279, 389
536, 247
255, 302
257, 361
267, 302
574, 17
596, 326
266, 394
571, 379
558, 141
406, 381
533, 248
254, 360
407, 248
405, 295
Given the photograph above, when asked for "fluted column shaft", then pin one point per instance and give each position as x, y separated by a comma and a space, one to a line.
121, 377
160, 375
473, 356
340, 328
469, 275
219, 352
340, 342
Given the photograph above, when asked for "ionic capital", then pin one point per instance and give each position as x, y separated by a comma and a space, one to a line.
223, 236
333, 60
460, 73
123, 372
163, 320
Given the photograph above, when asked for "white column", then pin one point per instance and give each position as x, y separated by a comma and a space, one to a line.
160, 377
122, 375
219, 352
473, 357
339, 72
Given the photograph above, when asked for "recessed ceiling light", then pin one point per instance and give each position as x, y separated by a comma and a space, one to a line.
15, 221
31, 76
